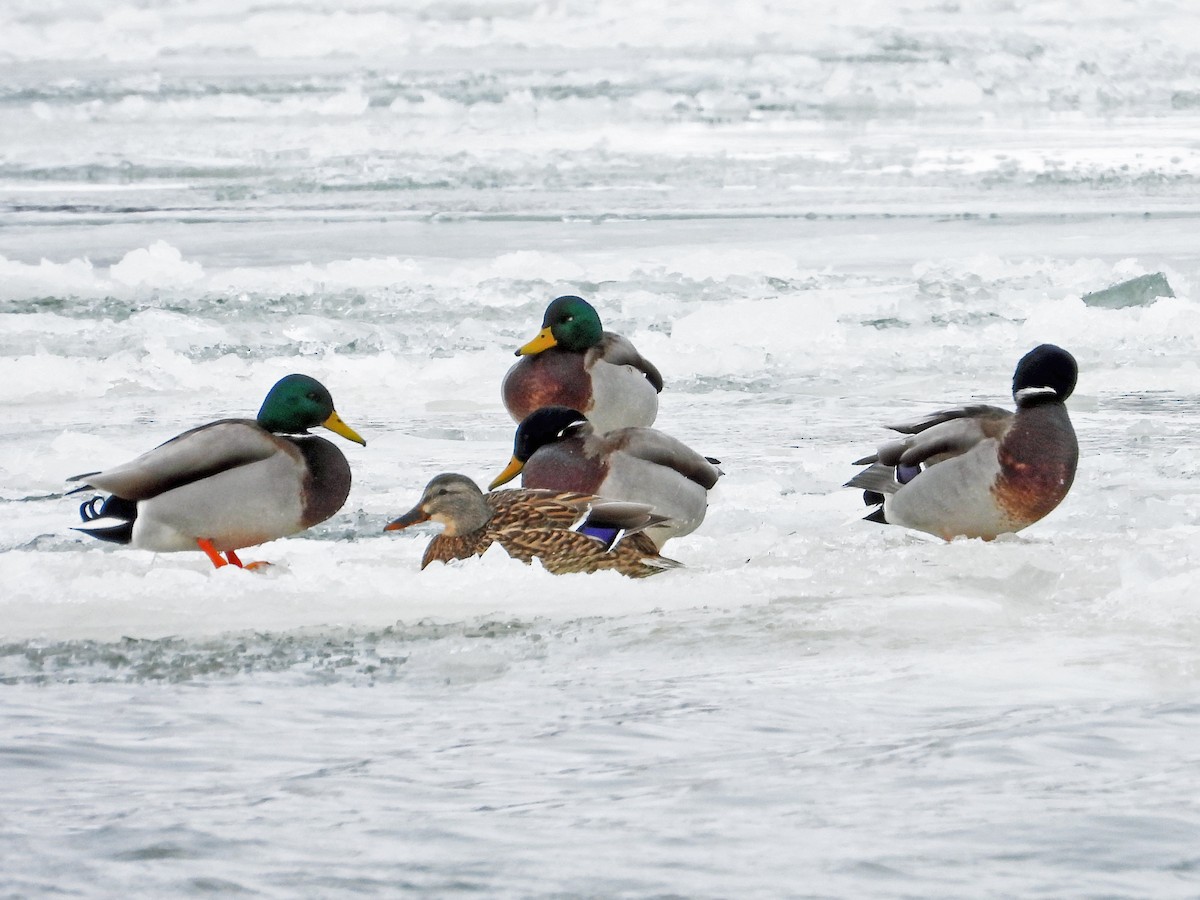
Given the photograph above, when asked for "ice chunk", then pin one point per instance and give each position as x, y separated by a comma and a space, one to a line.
1140, 291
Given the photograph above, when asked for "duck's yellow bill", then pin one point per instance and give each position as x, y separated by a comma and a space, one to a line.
335, 424
544, 341
514, 469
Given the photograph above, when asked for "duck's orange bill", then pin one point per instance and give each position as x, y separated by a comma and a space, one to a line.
544, 341
414, 516
512, 471
335, 424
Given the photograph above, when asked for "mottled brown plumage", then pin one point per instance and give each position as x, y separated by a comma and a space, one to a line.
567, 531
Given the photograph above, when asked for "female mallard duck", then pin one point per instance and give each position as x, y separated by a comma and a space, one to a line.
557, 449
574, 362
231, 483
981, 471
568, 532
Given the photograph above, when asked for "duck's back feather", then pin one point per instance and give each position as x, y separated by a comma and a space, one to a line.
189, 457
941, 436
618, 350
661, 449
979, 411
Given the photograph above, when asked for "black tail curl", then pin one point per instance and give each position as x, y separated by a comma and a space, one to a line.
88, 510
108, 508
123, 511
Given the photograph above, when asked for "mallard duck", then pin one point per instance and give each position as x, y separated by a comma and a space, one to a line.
556, 448
981, 471
574, 362
231, 483
567, 531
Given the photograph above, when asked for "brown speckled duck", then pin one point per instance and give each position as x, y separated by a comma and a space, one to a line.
981, 471
574, 362
229, 484
556, 448
567, 531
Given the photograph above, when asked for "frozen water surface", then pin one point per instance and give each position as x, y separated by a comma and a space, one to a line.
814, 223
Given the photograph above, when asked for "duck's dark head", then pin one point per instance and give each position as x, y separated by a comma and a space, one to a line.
539, 428
1045, 373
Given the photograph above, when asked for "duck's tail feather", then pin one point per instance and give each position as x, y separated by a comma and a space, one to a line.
109, 518
662, 562
109, 507
877, 478
877, 482
119, 532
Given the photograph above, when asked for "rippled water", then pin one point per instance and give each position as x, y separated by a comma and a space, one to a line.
814, 223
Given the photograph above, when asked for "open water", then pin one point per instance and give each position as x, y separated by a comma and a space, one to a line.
815, 221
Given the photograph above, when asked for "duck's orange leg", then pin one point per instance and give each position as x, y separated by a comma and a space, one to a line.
230, 559
211, 552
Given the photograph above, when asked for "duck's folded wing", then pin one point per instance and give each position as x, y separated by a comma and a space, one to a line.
943, 435
664, 450
625, 516
980, 412
541, 508
538, 507
191, 456
619, 351
564, 551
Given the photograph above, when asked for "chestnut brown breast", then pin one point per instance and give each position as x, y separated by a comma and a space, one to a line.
1037, 463
551, 378
327, 484
563, 466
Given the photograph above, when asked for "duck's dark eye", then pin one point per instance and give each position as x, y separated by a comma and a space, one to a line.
312, 395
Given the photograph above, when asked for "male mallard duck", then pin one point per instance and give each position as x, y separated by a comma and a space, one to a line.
231, 483
568, 532
558, 449
981, 471
574, 362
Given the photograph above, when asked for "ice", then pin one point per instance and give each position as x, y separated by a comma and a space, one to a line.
814, 222
1140, 291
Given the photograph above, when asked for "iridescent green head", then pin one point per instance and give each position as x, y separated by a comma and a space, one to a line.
570, 323
298, 403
